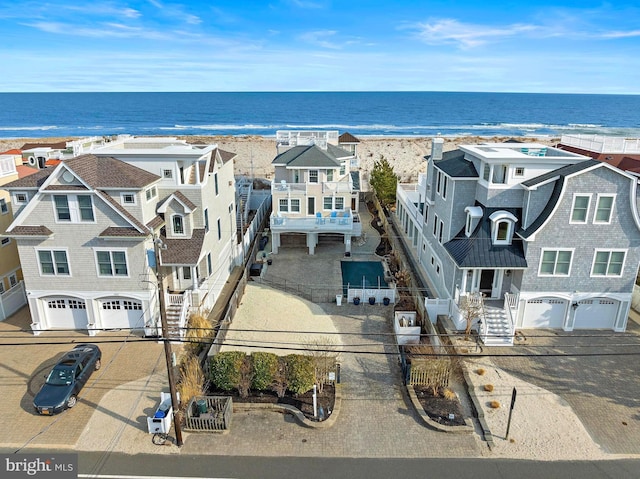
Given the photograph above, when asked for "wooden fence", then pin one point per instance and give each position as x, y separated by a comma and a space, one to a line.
430, 372
216, 415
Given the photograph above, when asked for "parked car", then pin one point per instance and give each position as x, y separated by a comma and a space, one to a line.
66, 379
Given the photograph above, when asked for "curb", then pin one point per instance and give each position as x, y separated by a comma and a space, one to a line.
488, 436
295, 412
466, 429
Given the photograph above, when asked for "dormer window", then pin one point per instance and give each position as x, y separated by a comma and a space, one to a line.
502, 227
177, 222
474, 214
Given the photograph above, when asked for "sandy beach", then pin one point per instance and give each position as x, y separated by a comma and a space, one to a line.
255, 153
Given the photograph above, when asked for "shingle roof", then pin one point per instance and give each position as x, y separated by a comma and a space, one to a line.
105, 196
30, 231
546, 211
34, 180
562, 172
306, 156
121, 231
347, 137
60, 145
108, 172
338, 152
155, 222
456, 166
183, 251
478, 251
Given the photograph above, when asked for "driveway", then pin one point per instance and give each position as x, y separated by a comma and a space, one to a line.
25, 359
603, 389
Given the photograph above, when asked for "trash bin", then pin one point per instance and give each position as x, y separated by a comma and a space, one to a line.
339, 299
202, 406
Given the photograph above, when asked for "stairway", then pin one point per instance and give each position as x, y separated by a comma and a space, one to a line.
244, 188
173, 322
498, 327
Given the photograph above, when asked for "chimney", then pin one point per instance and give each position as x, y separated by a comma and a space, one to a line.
436, 148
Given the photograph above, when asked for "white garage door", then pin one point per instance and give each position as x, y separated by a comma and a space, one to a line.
596, 314
544, 313
67, 313
122, 314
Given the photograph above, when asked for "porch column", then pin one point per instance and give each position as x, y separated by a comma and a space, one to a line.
94, 321
37, 315
275, 242
312, 241
347, 243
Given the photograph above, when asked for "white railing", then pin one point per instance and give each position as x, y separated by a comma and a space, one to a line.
12, 300
511, 306
7, 166
285, 187
325, 223
602, 144
337, 187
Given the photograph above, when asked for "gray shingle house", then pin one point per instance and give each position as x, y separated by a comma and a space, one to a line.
86, 234
547, 238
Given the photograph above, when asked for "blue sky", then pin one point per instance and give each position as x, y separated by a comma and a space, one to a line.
320, 45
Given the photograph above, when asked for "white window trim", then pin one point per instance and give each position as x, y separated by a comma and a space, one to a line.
545, 275
154, 193
216, 184
13, 275
515, 172
112, 250
595, 209
55, 274
124, 203
573, 205
219, 226
5, 242
317, 177
291, 202
606, 250
435, 226
17, 201
495, 229
184, 225
4, 202
166, 176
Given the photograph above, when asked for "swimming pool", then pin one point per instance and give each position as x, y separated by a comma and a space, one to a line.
362, 275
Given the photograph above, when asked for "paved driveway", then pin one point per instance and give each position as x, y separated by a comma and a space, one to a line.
22, 370
603, 390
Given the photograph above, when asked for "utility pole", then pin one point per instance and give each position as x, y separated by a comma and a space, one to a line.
157, 244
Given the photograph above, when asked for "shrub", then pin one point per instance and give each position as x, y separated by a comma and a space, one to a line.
488, 387
280, 382
449, 394
245, 378
225, 369
301, 373
494, 404
265, 366
191, 381
199, 331
480, 372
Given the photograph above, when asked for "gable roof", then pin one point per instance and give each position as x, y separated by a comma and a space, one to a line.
478, 250
347, 137
307, 157
60, 145
560, 172
29, 181
183, 251
186, 203
109, 172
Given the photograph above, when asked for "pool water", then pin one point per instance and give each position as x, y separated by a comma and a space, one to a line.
355, 272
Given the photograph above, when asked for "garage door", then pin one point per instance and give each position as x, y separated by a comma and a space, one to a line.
596, 314
122, 314
67, 313
544, 313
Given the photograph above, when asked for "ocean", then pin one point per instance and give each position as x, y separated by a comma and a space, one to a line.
394, 114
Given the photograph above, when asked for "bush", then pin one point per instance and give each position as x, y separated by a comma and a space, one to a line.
199, 331
191, 382
488, 387
280, 379
494, 404
449, 394
225, 369
301, 373
480, 372
265, 366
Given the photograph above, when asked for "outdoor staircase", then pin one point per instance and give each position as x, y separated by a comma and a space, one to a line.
244, 188
497, 327
173, 322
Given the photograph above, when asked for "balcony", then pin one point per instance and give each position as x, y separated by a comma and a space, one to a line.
344, 222
284, 187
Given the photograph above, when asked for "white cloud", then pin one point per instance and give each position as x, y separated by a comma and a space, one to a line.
621, 34
466, 35
321, 38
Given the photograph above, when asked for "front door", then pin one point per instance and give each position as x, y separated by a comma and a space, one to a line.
311, 205
486, 281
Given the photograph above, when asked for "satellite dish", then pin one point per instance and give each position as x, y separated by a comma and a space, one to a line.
67, 177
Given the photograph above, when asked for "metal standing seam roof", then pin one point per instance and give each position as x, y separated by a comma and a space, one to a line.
562, 172
478, 250
307, 157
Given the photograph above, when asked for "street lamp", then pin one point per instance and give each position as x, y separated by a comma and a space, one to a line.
157, 246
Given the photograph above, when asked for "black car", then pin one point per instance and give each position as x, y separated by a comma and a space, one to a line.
66, 379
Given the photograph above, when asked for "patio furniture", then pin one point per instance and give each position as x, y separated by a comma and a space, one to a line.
319, 218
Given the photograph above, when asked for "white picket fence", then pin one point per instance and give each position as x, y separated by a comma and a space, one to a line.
12, 300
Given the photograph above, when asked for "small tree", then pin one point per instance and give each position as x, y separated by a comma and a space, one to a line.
280, 382
245, 377
470, 307
384, 181
324, 355
301, 373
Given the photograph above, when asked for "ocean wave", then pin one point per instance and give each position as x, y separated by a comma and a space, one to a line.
28, 128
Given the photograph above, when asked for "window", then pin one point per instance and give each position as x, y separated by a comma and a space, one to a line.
555, 263
206, 219
329, 175
608, 263
219, 231
519, 171
441, 184
603, 209
53, 262
438, 181
5, 241
2, 286
177, 223
186, 272
85, 205
327, 203
339, 203
435, 225
486, 172
63, 213
500, 174
343, 168
467, 228
502, 226
151, 193
112, 263
128, 198
167, 174
283, 205
4, 208
209, 265
580, 208
441, 231
215, 184
21, 198
295, 205
502, 233
13, 280
313, 176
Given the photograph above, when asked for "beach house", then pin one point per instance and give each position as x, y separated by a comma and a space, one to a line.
89, 231
541, 237
315, 193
